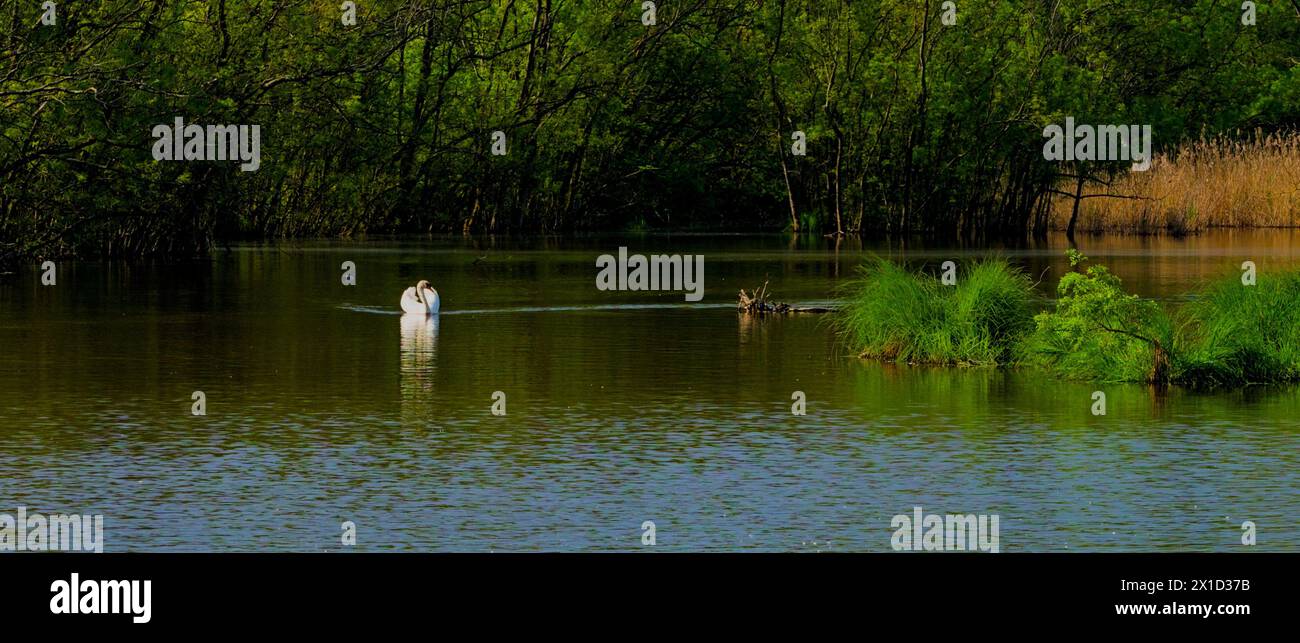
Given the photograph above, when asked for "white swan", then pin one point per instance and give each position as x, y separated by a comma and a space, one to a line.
421, 300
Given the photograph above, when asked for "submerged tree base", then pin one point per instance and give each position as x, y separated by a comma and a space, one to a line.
758, 303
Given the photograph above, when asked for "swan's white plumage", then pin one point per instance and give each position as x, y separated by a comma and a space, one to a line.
434, 302
412, 304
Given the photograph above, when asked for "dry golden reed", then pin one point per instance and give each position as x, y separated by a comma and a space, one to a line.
1206, 184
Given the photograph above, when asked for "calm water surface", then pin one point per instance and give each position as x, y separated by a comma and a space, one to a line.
325, 406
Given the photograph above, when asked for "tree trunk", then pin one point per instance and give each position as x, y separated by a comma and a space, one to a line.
780, 113
1074, 212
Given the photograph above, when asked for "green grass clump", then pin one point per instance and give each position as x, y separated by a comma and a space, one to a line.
892, 314
1236, 334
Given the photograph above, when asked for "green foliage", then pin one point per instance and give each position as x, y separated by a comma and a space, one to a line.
1229, 335
892, 314
1099, 332
912, 125
1237, 334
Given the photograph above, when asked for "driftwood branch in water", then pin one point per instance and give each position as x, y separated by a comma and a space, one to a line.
758, 303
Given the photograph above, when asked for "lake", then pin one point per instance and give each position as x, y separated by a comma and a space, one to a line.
324, 406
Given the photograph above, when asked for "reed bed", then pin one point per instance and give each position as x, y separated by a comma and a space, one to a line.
1212, 182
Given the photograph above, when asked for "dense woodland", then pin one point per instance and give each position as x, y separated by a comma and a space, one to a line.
912, 125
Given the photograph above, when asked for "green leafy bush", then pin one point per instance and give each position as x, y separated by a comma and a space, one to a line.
1099, 332
1229, 335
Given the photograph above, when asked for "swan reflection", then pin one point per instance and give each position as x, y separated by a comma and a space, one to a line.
419, 356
